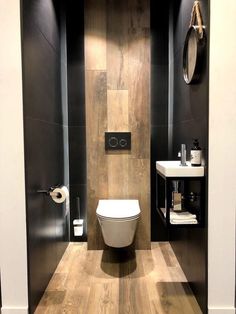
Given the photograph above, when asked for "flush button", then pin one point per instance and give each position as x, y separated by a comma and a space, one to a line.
113, 141
123, 142
117, 140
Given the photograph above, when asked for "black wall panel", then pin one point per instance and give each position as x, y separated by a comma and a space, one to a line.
159, 103
43, 132
76, 112
190, 120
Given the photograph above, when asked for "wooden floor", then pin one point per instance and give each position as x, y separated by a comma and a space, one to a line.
113, 281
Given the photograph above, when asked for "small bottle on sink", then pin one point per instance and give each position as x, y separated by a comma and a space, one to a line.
196, 154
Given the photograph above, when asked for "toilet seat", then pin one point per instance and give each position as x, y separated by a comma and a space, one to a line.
118, 219
118, 209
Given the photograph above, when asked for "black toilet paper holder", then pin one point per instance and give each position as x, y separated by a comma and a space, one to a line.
50, 192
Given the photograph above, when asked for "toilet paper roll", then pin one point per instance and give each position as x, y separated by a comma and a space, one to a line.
59, 194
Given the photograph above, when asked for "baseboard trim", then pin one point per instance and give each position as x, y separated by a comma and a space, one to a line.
14, 310
222, 310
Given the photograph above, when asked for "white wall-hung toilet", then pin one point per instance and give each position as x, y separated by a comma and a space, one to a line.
118, 220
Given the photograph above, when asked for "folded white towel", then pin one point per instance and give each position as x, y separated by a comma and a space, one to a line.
184, 222
182, 216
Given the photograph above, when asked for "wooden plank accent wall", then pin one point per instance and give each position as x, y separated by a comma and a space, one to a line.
117, 83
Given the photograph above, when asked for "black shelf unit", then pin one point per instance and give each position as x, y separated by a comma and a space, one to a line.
192, 190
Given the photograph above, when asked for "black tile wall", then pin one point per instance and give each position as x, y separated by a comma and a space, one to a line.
190, 100
177, 25
160, 135
189, 247
44, 150
186, 130
77, 153
190, 120
159, 32
47, 223
45, 15
76, 111
159, 103
76, 88
159, 77
41, 68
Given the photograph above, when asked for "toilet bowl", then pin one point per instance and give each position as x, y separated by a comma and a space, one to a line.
118, 220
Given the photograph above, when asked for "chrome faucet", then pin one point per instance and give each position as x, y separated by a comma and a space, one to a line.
183, 155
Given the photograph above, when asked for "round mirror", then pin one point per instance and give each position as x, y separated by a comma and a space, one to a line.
193, 55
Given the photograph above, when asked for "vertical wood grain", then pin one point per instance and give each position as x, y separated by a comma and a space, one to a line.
97, 174
117, 110
139, 13
117, 44
138, 185
95, 35
139, 91
118, 176
121, 104
118, 120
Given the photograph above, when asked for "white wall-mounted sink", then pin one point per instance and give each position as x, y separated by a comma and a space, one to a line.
174, 169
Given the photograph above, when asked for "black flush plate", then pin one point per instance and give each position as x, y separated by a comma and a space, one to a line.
117, 140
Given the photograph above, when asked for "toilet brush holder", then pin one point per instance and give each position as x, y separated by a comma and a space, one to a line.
78, 227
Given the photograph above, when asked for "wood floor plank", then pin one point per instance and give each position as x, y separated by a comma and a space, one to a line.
68, 257
76, 300
173, 298
103, 299
133, 296
51, 302
118, 282
168, 254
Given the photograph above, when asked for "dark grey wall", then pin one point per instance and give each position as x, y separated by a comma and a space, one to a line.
190, 113
159, 104
190, 120
44, 141
76, 110
179, 112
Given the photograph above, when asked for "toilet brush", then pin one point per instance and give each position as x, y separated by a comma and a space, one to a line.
78, 223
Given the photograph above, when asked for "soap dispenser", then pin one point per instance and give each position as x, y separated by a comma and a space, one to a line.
196, 154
